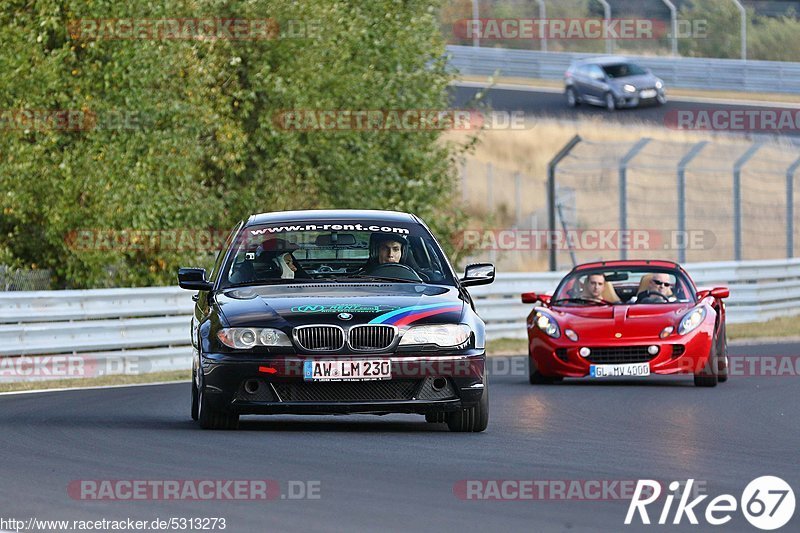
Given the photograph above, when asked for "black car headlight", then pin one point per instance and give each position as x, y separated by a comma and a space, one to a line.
246, 338
442, 335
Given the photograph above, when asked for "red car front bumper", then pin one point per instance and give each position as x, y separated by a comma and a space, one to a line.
678, 354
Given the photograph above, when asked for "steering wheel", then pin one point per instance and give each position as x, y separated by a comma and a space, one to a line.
647, 294
394, 270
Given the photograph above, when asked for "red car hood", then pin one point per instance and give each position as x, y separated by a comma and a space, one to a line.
598, 323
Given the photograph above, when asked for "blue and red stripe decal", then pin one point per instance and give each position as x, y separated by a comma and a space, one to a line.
407, 315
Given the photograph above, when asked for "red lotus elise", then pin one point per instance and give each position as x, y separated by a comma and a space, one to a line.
628, 318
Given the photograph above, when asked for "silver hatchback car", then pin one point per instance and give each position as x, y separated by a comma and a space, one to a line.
612, 82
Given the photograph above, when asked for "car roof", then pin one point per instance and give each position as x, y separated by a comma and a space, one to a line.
332, 214
604, 60
657, 263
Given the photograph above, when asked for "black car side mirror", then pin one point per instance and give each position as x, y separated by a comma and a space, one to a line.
478, 274
194, 279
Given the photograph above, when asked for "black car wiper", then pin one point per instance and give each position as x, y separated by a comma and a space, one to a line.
363, 277
581, 300
279, 281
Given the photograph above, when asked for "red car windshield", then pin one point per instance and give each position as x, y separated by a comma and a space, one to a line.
624, 286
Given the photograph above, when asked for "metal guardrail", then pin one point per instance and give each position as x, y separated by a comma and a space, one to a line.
111, 331
760, 290
681, 72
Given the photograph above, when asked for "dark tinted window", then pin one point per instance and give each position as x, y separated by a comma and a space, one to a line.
334, 250
622, 70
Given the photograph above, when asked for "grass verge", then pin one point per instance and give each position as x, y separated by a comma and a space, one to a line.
154, 377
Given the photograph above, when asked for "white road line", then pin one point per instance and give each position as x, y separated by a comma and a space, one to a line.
688, 99
97, 387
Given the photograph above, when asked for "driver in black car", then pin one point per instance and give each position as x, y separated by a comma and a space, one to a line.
390, 251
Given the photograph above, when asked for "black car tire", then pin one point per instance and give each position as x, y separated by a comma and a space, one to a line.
722, 356
611, 102
707, 377
475, 419
195, 401
572, 98
537, 378
213, 419
437, 417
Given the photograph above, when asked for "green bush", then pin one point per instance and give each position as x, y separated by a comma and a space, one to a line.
201, 148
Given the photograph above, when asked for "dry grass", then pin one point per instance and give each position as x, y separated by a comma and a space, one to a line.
786, 326
154, 377
591, 172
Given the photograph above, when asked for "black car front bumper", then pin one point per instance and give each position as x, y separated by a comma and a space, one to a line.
274, 384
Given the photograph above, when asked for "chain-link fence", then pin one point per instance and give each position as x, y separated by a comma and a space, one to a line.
12, 279
650, 199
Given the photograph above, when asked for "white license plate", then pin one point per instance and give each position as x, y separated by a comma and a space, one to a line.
614, 371
341, 370
649, 93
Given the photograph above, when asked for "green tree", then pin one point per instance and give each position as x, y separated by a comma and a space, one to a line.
186, 136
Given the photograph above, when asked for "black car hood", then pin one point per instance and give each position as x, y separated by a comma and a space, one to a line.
343, 304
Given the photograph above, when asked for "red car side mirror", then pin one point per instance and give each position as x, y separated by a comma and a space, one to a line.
720, 292
532, 298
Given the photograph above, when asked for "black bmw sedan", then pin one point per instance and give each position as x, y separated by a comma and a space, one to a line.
332, 312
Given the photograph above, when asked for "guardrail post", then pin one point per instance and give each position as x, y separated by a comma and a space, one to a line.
743, 13
673, 17
551, 198
693, 152
476, 15
623, 190
737, 198
790, 208
518, 199
542, 16
607, 18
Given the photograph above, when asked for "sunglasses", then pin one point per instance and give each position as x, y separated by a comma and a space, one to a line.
662, 283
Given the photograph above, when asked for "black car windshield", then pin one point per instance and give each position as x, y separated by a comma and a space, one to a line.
631, 285
335, 250
622, 70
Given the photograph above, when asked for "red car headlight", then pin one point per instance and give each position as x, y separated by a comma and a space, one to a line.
692, 320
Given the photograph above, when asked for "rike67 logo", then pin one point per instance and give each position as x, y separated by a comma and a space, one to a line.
767, 503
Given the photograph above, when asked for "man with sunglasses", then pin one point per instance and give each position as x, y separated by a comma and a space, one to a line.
658, 290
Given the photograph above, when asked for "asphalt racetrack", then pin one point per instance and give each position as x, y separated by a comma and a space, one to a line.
550, 103
399, 473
